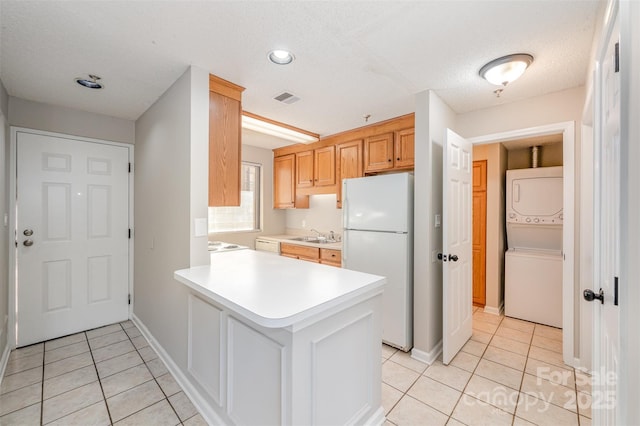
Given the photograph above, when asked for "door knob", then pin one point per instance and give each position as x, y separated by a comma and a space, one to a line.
28, 243
590, 296
28, 232
453, 257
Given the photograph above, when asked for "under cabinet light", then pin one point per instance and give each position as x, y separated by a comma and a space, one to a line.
269, 127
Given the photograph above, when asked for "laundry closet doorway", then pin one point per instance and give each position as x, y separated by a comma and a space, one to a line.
496, 235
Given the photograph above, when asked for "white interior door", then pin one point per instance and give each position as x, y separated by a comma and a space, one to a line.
606, 341
72, 200
456, 244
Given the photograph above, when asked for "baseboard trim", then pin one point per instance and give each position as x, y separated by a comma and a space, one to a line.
427, 357
4, 360
495, 311
377, 419
203, 407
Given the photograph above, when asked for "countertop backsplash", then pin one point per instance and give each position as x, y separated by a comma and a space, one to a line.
321, 215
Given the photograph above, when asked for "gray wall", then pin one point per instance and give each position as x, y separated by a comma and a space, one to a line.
36, 115
162, 211
171, 168
432, 118
4, 210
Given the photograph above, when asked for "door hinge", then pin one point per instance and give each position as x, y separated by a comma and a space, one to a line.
617, 58
129, 298
129, 167
129, 233
615, 291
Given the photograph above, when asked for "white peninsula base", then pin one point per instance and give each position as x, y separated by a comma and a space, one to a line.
273, 341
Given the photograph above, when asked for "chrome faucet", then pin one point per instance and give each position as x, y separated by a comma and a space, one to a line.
316, 231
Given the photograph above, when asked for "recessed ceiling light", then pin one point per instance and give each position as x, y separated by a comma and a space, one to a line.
281, 57
506, 69
90, 83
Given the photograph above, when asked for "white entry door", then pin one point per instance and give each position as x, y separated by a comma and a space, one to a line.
606, 341
72, 200
457, 242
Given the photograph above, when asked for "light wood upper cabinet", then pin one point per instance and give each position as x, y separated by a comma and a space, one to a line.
316, 168
225, 116
284, 184
404, 148
348, 165
304, 169
324, 166
378, 153
389, 151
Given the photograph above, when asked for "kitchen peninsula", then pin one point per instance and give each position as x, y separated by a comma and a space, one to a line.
273, 340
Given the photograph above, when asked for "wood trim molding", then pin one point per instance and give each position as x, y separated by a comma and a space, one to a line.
391, 125
224, 87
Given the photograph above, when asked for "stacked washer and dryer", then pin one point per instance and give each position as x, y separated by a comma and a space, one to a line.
533, 261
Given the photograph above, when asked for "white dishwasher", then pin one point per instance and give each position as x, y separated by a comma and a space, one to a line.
262, 244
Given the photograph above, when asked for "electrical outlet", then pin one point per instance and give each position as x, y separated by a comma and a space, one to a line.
304, 224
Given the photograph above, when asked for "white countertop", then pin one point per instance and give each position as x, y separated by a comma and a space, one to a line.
286, 238
275, 291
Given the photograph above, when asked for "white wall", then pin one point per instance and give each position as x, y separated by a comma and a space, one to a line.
36, 115
432, 118
162, 216
273, 221
322, 215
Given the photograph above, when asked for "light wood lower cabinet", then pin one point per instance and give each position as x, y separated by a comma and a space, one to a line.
311, 254
331, 257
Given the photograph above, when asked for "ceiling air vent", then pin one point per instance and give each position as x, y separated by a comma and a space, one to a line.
286, 98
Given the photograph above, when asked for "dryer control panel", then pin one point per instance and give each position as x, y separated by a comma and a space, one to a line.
556, 219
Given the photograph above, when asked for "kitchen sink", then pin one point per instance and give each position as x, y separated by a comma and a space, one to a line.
313, 240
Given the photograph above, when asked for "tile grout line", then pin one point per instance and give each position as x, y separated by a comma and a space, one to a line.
44, 352
153, 375
95, 366
524, 371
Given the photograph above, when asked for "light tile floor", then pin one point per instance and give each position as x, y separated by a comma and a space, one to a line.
105, 376
510, 372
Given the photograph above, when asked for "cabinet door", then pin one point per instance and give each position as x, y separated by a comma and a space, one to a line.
304, 169
404, 148
331, 257
283, 182
224, 150
348, 165
378, 153
324, 161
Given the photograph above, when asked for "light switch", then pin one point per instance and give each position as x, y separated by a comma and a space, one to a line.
201, 227
437, 221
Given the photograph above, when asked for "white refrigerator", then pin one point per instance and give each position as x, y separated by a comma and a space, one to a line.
378, 239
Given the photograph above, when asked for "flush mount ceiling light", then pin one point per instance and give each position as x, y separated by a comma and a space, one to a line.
90, 83
269, 127
506, 69
281, 57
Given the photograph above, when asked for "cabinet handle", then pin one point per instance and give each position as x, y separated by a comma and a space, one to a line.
389, 160
398, 159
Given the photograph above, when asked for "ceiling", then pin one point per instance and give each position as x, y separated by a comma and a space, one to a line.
352, 57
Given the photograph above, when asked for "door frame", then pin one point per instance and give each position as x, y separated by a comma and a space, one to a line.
567, 128
13, 279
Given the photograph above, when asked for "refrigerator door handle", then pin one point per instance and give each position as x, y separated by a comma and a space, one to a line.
345, 244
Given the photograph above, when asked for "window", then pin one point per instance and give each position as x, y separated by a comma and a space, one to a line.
245, 217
